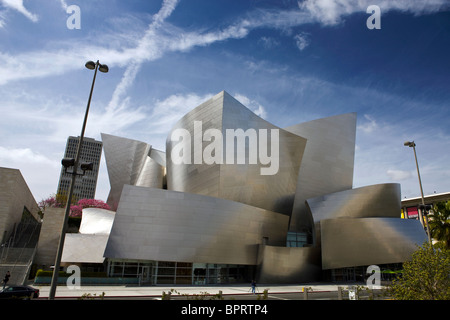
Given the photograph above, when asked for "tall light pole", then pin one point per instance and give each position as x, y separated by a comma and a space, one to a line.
73, 163
412, 144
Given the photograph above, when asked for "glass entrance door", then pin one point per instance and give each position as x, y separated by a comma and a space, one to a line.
145, 274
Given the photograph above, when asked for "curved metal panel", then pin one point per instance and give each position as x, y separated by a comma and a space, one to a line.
231, 213
130, 162
242, 182
195, 177
151, 175
156, 224
327, 164
89, 244
288, 265
367, 241
84, 248
380, 200
96, 221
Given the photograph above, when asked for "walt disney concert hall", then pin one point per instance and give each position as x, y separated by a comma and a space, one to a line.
234, 198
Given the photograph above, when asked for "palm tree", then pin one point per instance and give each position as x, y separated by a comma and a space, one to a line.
439, 222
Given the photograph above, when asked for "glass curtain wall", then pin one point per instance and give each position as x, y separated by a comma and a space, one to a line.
165, 272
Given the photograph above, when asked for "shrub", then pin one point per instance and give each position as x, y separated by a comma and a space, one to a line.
426, 276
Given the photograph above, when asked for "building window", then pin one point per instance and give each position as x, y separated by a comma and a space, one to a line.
165, 272
296, 239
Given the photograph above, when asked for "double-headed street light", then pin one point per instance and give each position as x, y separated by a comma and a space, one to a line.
412, 144
74, 163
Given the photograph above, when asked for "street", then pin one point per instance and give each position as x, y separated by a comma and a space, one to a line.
259, 296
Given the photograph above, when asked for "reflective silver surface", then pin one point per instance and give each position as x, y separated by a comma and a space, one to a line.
327, 164
362, 226
381, 200
288, 265
367, 241
84, 248
221, 212
131, 162
96, 221
88, 245
238, 182
156, 224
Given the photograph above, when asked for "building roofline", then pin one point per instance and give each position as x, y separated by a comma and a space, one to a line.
431, 197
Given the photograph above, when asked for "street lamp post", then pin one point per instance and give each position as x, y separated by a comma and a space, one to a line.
73, 163
412, 144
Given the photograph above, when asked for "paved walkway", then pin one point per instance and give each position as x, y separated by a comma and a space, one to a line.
156, 291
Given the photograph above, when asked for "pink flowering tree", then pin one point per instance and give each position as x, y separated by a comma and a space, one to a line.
50, 202
77, 209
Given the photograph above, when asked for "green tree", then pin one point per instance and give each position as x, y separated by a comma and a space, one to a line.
439, 223
426, 276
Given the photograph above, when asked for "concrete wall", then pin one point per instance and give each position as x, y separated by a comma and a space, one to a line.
49, 237
14, 196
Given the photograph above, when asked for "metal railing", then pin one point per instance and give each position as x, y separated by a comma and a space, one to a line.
17, 254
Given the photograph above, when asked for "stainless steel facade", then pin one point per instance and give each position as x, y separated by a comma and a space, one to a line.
131, 162
367, 241
164, 225
88, 245
327, 165
381, 200
361, 226
288, 264
238, 182
217, 212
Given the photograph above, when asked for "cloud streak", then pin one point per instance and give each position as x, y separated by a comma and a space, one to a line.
302, 40
19, 7
162, 37
380, 156
130, 46
331, 12
142, 49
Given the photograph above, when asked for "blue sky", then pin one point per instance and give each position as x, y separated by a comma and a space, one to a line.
288, 61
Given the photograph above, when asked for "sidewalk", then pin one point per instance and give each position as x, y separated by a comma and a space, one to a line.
156, 291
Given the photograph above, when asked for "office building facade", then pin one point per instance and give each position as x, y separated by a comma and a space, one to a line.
86, 185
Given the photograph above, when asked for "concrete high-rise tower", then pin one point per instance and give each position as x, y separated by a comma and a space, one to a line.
85, 186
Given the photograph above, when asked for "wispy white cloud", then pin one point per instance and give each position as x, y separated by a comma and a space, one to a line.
330, 12
269, 42
144, 54
398, 175
2, 19
64, 4
302, 40
162, 37
159, 38
369, 126
19, 6
378, 153
165, 113
381, 157
253, 105
125, 83
24, 155
39, 171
